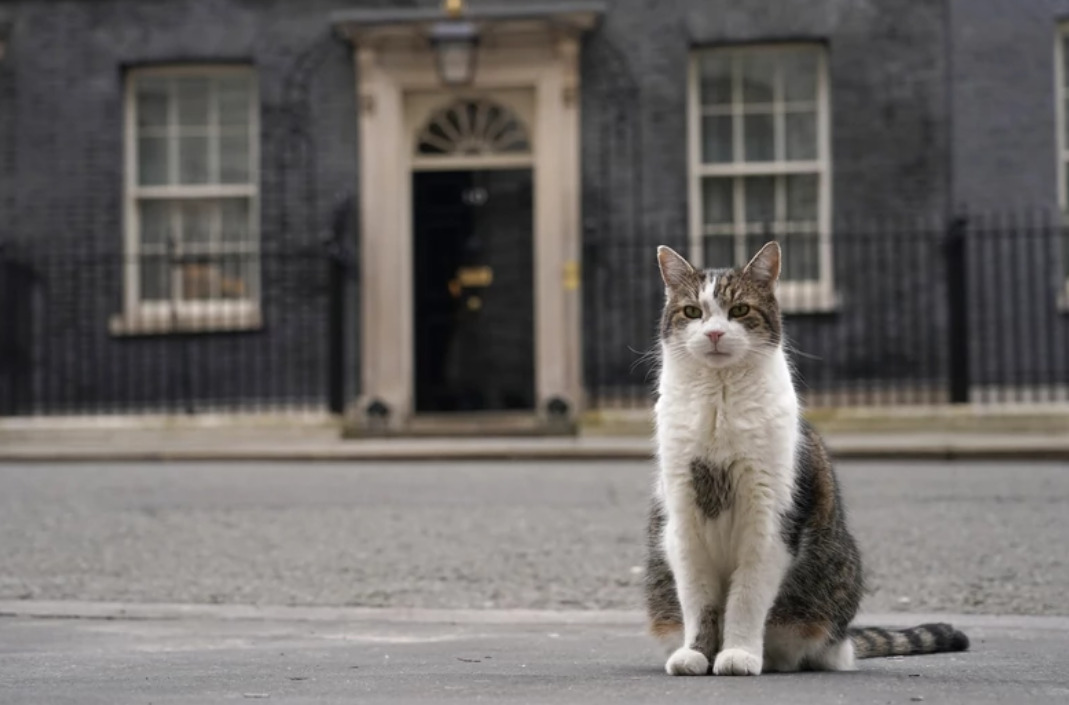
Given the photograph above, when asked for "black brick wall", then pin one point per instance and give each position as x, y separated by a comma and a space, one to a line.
1005, 174
893, 147
1004, 106
61, 142
890, 159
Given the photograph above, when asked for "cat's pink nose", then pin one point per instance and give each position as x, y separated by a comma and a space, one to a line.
715, 336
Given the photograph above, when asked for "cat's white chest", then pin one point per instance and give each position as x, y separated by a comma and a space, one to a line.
745, 428
723, 433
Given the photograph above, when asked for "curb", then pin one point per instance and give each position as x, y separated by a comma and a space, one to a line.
132, 611
334, 452
619, 448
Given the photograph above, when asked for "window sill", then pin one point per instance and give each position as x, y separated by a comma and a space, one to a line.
157, 322
809, 302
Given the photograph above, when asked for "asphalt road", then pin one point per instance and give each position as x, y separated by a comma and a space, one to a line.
938, 537
334, 660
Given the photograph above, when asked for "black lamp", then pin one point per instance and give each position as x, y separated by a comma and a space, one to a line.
456, 44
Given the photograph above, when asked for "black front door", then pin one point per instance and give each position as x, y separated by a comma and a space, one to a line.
474, 290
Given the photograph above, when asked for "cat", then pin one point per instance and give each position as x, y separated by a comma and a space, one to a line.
751, 567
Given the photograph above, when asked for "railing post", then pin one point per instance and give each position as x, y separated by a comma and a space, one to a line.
955, 249
18, 280
336, 338
339, 270
590, 354
7, 391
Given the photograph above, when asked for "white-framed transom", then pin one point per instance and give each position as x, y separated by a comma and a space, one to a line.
484, 130
471, 126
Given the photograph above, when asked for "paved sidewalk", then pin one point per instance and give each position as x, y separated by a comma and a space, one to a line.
317, 443
114, 654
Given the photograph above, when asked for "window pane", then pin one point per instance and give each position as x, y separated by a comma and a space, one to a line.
718, 201
152, 161
760, 199
801, 131
758, 71
715, 78
234, 277
234, 95
197, 217
716, 139
802, 197
801, 256
234, 157
200, 279
155, 279
235, 221
193, 160
799, 75
719, 251
759, 137
155, 224
192, 95
152, 101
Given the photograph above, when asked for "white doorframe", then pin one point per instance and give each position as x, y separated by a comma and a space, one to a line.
385, 77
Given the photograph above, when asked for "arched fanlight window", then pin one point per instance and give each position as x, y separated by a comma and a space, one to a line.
471, 127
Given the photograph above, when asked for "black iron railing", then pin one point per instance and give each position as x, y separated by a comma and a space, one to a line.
900, 312
908, 311
102, 333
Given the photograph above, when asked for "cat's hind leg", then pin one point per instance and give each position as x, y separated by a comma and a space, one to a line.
668, 634
806, 646
664, 615
836, 656
785, 648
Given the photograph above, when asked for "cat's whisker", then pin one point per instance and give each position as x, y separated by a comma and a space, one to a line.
650, 357
643, 356
800, 353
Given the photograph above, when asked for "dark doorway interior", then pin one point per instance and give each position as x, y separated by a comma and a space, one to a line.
474, 290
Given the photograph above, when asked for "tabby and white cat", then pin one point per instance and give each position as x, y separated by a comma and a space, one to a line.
751, 566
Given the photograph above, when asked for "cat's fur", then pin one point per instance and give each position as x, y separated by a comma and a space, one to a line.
750, 564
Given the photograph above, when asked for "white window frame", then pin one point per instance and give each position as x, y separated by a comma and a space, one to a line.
154, 317
794, 296
1060, 96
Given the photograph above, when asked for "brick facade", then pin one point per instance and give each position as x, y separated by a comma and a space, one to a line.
936, 106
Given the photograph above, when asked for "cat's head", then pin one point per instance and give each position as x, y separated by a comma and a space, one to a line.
721, 317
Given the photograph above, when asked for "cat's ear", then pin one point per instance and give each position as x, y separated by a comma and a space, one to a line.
675, 270
764, 267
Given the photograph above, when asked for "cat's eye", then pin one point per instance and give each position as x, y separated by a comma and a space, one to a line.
738, 310
692, 312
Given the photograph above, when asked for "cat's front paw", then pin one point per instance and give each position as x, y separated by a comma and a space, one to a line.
737, 662
687, 662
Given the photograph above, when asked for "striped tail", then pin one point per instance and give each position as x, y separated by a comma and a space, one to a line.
874, 642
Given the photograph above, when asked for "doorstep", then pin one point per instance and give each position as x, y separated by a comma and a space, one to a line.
491, 424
